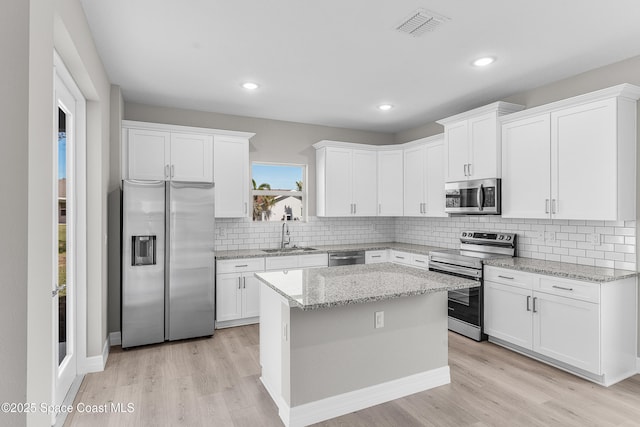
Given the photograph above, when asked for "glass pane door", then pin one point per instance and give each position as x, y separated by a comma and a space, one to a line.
62, 235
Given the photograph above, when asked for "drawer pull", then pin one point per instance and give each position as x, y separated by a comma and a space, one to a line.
419, 260
505, 277
242, 265
376, 256
399, 257
561, 287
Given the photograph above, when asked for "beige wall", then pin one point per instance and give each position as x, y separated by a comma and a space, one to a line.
275, 141
14, 110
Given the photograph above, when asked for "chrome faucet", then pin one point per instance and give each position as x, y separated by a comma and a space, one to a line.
284, 244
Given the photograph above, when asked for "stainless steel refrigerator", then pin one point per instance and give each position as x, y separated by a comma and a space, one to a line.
168, 235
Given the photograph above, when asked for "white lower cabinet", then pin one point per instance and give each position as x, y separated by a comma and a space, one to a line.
290, 262
376, 257
582, 327
410, 259
237, 292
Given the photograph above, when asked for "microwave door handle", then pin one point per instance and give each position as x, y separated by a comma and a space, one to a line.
480, 197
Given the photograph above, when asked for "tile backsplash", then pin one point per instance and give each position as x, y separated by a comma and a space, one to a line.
597, 243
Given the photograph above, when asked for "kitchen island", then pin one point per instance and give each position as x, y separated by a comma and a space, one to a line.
339, 339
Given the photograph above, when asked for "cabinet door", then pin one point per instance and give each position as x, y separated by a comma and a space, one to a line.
457, 151
507, 313
251, 296
484, 147
584, 161
191, 157
390, 183
338, 175
365, 187
414, 180
567, 330
231, 176
526, 173
435, 198
228, 297
148, 154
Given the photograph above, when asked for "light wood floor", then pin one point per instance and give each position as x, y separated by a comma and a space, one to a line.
215, 382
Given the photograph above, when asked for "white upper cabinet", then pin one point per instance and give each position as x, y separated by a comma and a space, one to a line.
424, 177
573, 159
165, 155
472, 142
149, 154
159, 152
390, 183
346, 180
231, 175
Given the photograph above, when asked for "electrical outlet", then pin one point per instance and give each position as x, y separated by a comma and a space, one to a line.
593, 238
550, 236
379, 319
222, 232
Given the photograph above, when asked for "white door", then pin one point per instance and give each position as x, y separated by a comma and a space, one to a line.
149, 154
483, 147
526, 169
457, 151
508, 313
390, 183
231, 176
228, 297
567, 330
338, 178
414, 180
435, 198
584, 161
191, 157
251, 296
67, 124
365, 177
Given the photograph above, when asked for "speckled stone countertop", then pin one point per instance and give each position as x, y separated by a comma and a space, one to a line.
562, 269
257, 253
315, 288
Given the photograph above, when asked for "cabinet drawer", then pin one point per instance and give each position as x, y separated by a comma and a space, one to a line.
372, 257
584, 291
521, 279
420, 261
315, 260
400, 257
281, 262
240, 265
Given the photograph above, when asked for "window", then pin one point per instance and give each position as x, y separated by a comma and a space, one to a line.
279, 192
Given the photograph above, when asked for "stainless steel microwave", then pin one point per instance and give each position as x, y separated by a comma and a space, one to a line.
476, 197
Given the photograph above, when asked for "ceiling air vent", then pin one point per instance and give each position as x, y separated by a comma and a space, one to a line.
421, 21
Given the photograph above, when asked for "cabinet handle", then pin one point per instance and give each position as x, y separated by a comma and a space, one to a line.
379, 208
528, 299
465, 169
534, 304
419, 260
399, 257
562, 287
376, 256
354, 208
505, 277
470, 169
173, 169
244, 283
546, 206
239, 282
242, 265
554, 206
245, 207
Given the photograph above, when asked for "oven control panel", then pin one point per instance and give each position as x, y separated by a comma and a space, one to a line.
490, 237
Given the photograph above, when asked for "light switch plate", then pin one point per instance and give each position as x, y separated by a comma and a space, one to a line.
379, 319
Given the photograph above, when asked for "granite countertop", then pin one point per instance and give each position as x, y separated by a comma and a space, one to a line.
319, 249
315, 288
562, 269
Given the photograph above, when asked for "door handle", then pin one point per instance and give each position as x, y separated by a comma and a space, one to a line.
57, 290
480, 197
528, 299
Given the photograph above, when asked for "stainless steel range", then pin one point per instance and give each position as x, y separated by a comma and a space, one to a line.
465, 305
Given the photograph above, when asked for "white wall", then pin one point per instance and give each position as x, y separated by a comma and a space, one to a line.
14, 111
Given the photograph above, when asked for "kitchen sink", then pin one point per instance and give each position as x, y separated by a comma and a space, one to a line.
288, 250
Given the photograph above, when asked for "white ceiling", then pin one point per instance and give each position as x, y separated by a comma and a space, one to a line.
332, 62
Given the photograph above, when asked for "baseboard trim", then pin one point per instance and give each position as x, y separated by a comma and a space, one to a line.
638, 365
335, 406
96, 363
115, 338
237, 322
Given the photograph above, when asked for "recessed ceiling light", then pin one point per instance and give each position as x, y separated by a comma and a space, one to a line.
250, 85
484, 61
385, 107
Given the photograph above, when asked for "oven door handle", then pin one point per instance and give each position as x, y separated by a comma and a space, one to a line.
440, 268
480, 197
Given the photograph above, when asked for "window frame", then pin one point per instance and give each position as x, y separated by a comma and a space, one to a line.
303, 194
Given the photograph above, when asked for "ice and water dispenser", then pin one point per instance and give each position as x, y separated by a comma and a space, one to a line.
143, 250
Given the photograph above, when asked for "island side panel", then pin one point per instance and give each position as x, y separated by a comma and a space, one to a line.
338, 350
